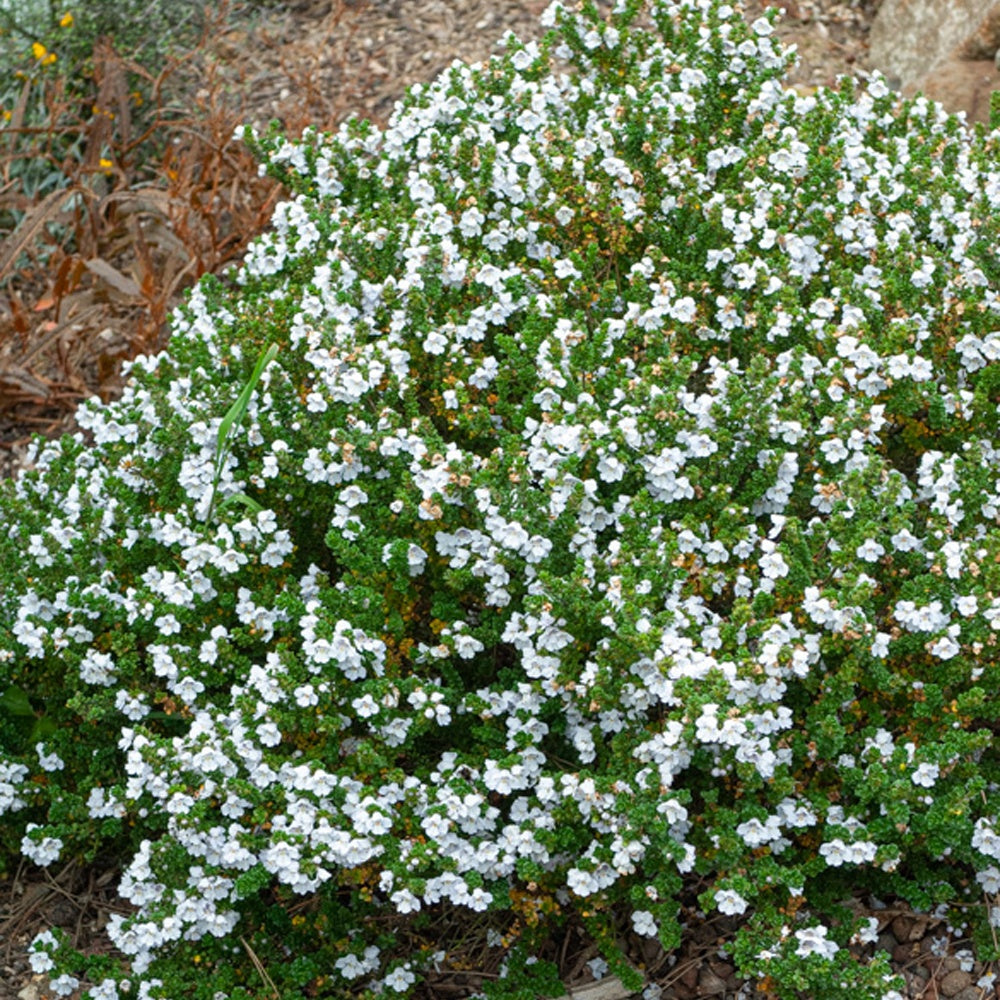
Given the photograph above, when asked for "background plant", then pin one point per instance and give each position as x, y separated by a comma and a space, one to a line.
120, 187
625, 552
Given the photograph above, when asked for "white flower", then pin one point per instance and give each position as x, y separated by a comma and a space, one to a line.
730, 902
944, 648
350, 966
868, 934
684, 309
985, 839
48, 761
44, 850
405, 901
400, 979
40, 962
926, 775
107, 989
989, 879
833, 450
64, 985
755, 833
967, 605
305, 696
870, 550
435, 342
835, 852
772, 564
643, 923
813, 941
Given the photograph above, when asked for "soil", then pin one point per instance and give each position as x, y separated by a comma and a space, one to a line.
311, 59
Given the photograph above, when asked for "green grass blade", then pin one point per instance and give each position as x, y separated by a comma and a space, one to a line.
234, 416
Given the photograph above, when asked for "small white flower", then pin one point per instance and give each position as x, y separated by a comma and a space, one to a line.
40, 962
833, 450
967, 605
813, 941
926, 775
835, 852
42, 851
730, 902
870, 550
868, 934
643, 923
48, 761
64, 985
989, 879
772, 564
400, 979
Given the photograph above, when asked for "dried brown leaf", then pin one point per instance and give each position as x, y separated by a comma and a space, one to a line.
18, 383
17, 115
112, 277
33, 223
83, 311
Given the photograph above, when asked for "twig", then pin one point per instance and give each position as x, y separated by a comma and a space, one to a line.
259, 966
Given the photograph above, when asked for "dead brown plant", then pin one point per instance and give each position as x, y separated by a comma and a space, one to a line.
148, 199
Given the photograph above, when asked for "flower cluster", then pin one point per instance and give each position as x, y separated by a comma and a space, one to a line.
618, 514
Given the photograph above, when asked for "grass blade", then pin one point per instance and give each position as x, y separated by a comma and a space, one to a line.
234, 416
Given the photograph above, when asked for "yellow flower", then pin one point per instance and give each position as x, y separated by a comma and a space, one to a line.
42, 54
67, 20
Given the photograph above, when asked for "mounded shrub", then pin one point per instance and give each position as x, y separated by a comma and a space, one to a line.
578, 516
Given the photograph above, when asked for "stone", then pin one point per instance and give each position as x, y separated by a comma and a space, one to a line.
916, 984
723, 970
710, 985
985, 40
886, 941
962, 85
970, 993
954, 982
901, 927
689, 978
946, 49
908, 927
609, 988
910, 38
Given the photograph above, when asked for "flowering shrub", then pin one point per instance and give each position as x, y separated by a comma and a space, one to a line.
579, 513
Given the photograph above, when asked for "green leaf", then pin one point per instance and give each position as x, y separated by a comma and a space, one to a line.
15, 701
239, 408
244, 501
43, 728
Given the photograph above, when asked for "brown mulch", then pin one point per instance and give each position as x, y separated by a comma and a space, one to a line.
314, 61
